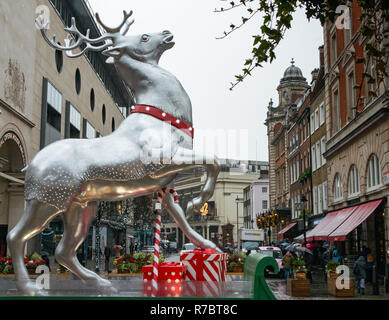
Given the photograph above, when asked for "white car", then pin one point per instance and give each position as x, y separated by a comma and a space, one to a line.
187, 247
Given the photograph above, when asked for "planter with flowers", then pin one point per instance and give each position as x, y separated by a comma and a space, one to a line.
62, 270
6, 266
32, 262
299, 269
235, 262
331, 269
133, 263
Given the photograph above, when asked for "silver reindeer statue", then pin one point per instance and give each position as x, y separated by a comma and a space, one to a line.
71, 176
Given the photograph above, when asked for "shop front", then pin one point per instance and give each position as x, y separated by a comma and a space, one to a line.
352, 228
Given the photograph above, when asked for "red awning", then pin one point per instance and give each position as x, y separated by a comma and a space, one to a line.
361, 213
281, 234
329, 224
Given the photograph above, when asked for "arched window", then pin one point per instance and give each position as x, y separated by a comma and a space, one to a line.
78, 81
103, 114
373, 173
353, 181
338, 188
92, 99
113, 125
59, 59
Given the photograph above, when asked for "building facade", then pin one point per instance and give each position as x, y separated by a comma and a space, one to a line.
46, 96
292, 86
357, 137
255, 201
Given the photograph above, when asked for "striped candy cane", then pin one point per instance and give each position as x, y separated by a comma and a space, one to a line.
157, 236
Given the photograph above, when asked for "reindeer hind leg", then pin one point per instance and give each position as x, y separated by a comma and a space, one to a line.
77, 221
36, 217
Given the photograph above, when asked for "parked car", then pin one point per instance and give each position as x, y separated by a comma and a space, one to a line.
148, 249
187, 247
250, 245
173, 246
276, 253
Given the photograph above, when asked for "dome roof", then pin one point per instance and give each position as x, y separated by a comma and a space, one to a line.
293, 73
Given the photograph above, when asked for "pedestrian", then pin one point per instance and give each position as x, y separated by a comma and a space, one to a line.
107, 254
369, 258
336, 256
287, 261
308, 258
360, 273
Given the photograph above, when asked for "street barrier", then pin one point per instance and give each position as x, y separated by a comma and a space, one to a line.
254, 272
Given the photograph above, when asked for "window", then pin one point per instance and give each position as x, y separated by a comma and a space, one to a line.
312, 123
315, 200
372, 82
92, 99
264, 189
103, 114
351, 99
320, 199
323, 150
335, 112
54, 111
313, 156
318, 155
317, 119
59, 59
78, 81
75, 123
334, 48
325, 196
90, 131
373, 173
264, 204
322, 116
338, 188
353, 181
114, 127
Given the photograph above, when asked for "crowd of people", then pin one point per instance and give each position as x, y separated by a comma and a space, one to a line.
362, 268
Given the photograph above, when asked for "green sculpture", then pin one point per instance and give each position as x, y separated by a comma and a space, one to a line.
254, 271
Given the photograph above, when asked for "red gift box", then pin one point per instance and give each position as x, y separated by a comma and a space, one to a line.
170, 277
205, 265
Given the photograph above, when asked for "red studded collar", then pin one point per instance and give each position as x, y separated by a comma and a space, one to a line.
164, 116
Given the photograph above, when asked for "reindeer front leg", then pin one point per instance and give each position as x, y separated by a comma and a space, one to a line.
179, 217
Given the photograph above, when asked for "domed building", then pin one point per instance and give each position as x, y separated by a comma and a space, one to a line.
292, 86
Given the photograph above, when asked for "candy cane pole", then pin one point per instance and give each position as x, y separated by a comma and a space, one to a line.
157, 236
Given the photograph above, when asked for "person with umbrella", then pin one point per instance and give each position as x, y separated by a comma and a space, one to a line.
287, 261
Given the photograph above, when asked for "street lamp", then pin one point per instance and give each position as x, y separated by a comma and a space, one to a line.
237, 200
303, 200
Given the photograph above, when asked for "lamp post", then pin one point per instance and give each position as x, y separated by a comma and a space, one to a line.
303, 200
237, 200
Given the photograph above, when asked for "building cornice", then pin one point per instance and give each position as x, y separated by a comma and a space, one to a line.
358, 125
20, 116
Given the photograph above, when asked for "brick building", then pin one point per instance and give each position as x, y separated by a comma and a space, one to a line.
357, 147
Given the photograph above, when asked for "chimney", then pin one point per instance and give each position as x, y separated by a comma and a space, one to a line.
321, 55
314, 74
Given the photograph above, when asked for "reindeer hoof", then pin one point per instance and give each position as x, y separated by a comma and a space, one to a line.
106, 288
30, 289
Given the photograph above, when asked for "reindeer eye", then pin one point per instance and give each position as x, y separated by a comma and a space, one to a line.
145, 37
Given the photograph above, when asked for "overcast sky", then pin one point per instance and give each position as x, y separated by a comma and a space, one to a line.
206, 66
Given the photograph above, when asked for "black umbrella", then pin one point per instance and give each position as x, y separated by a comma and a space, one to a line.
298, 249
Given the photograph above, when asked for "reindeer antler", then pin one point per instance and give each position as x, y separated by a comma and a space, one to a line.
117, 29
68, 48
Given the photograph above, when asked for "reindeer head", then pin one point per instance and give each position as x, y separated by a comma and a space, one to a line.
145, 47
